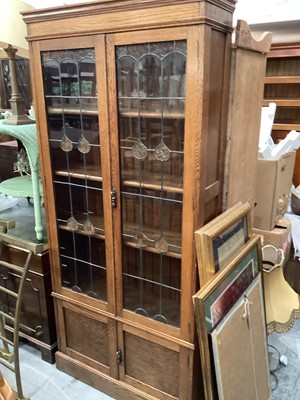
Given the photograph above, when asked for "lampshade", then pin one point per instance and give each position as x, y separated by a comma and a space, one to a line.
13, 28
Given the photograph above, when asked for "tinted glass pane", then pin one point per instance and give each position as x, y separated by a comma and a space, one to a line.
73, 131
151, 106
83, 264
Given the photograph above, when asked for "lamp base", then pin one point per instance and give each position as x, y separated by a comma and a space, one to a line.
18, 120
18, 116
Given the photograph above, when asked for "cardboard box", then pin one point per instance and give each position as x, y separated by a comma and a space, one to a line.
280, 237
273, 186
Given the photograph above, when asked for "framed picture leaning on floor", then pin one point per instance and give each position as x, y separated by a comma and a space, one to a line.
219, 241
227, 308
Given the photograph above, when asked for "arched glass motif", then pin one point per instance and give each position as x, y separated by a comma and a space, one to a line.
87, 77
149, 76
173, 77
69, 77
127, 79
51, 78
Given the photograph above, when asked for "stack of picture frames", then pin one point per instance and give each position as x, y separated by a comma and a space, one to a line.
229, 309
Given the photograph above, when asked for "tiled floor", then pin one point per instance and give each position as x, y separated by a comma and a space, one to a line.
42, 381
286, 380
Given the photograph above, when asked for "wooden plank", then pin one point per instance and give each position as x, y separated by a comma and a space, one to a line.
90, 173
282, 102
7, 224
67, 109
149, 114
8, 239
283, 50
286, 127
282, 79
246, 98
245, 40
212, 191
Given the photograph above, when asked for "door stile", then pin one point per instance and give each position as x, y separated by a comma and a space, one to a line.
106, 166
195, 129
103, 102
115, 171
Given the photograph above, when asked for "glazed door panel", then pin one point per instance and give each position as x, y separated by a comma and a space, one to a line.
151, 129
75, 96
73, 132
147, 133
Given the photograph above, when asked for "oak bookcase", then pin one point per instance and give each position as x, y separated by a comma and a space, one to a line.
131, 101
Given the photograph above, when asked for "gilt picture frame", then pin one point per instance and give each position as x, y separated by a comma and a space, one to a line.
219, 241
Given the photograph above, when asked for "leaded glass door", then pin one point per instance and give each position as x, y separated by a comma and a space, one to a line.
151, 93
71, 96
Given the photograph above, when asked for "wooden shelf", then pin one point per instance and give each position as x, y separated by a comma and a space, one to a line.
90, 110
151, 249
168, 235
171, 183
171, 309
282, 79
173, 238
286, 127
81, 232
69, 109
151, 114
283, 102
98, 220
78, 173
283, 69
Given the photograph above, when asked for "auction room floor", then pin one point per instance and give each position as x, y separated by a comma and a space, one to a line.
43, 381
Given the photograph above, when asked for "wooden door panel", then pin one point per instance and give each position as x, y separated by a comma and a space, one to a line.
87, 336
151, 364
